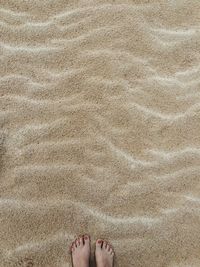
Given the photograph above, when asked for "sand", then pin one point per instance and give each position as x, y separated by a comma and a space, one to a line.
100, 130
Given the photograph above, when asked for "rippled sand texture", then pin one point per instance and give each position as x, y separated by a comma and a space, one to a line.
100, 130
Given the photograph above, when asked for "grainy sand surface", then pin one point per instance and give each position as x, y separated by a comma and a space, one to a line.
100, 130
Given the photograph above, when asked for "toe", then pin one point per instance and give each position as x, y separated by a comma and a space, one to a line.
111, 250
81, 240
108, 247
86, 239
73, 246
77, 242
104, 244
99, 243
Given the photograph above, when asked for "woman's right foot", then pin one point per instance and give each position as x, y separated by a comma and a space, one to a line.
104, 254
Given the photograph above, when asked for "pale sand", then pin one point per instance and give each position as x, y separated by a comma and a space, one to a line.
100, 130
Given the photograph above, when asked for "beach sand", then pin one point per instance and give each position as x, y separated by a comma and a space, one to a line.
100, 130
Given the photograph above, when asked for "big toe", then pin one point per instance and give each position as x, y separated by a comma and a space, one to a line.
86, 239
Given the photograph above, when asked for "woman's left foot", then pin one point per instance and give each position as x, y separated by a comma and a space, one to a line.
80, 249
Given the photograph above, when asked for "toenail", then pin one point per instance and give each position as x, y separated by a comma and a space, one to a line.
86, 237
99, 241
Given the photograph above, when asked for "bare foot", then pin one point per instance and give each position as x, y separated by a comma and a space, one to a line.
104, 254
80, 249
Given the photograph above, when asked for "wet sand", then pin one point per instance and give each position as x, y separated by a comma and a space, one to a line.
100, 130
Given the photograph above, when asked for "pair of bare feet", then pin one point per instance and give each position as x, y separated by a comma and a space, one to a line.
80, 250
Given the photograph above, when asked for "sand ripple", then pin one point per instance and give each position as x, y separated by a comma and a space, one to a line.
99, 130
